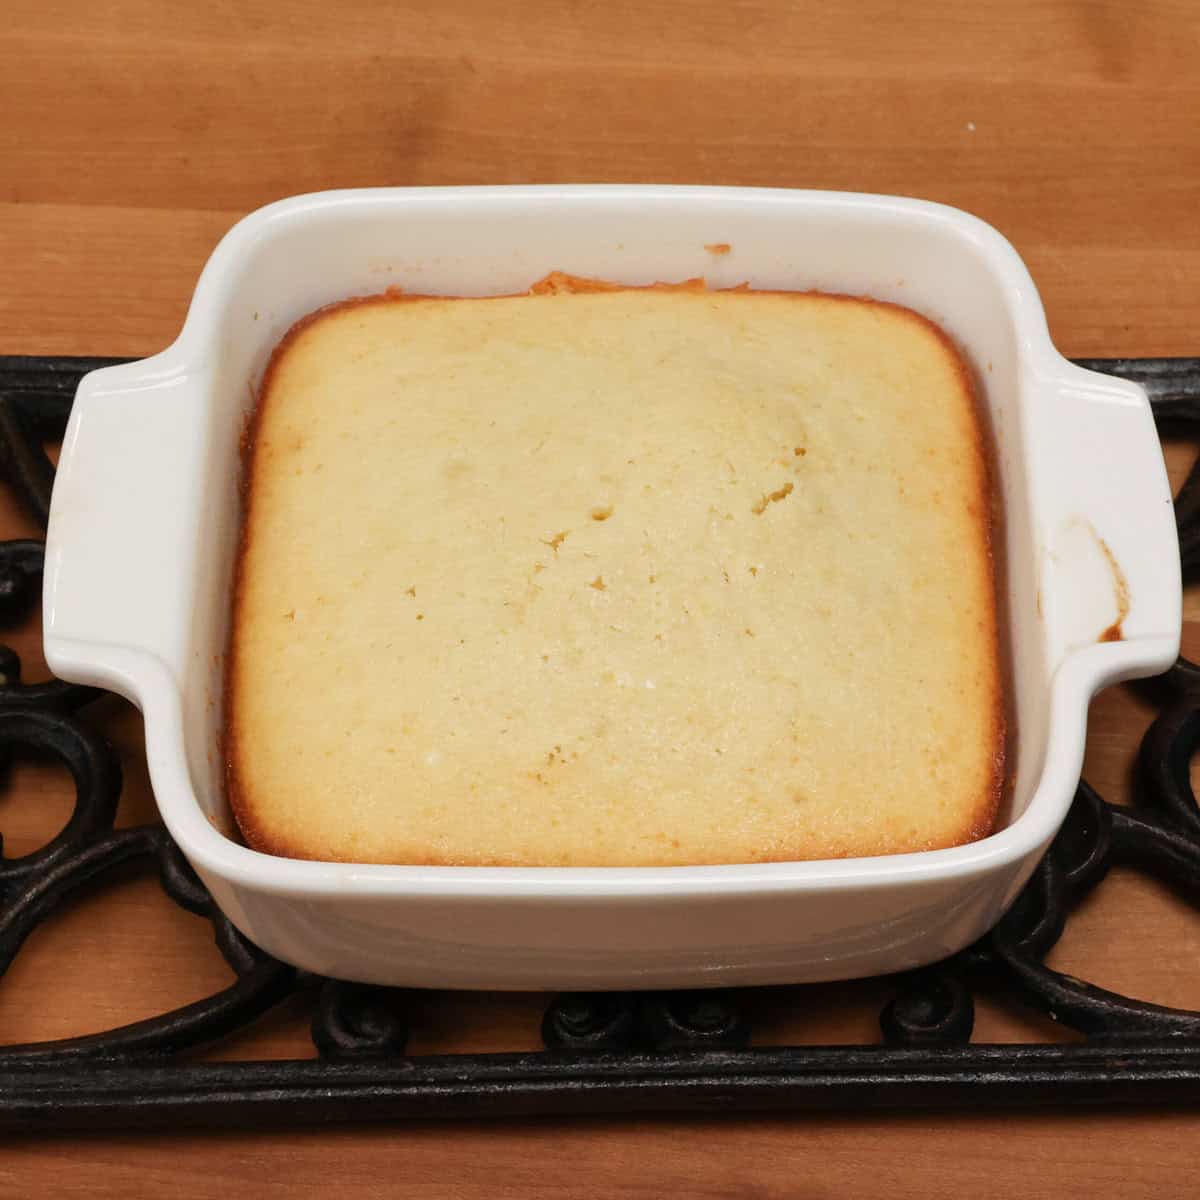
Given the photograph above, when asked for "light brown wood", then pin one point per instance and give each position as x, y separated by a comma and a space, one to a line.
132, 134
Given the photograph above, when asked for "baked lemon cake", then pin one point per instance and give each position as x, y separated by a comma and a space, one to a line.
605, 576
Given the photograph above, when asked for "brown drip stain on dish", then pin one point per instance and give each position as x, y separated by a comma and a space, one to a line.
718, 248
1115, 632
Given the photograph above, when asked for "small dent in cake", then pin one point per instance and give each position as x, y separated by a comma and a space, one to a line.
749, 631
718, 249
411, 591
420, 616
290, 615
598, 583
799, 451
602, 512
725, 574
772, 498
754, 570
556, 541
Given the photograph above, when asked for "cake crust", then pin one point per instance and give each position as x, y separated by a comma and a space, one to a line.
743, 610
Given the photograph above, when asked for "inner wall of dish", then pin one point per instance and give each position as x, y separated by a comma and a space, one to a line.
281, 270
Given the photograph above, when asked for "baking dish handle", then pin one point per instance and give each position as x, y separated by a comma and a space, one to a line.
1110, 585
117, 586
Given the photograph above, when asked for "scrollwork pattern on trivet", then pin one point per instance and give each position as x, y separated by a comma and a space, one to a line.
604, 1051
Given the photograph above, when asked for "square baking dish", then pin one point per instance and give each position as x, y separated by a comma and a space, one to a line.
144, 523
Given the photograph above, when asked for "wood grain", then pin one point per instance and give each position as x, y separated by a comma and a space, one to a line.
133, 134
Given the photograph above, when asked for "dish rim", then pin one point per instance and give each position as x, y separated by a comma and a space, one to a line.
147, 678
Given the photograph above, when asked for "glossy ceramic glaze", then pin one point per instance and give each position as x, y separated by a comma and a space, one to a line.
144, 522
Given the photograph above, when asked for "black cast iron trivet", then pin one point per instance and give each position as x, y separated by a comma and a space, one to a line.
604, 1053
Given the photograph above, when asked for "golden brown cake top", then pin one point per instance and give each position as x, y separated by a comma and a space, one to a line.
612, 576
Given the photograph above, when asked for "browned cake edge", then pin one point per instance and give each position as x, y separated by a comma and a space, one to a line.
989, 515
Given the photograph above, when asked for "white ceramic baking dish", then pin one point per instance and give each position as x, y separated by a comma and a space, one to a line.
145, 515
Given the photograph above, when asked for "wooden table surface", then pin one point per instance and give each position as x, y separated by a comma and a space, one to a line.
133, 134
